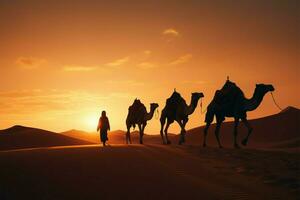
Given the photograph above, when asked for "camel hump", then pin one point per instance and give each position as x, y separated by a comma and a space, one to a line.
228, 93
137, 107
174, 100
228, 86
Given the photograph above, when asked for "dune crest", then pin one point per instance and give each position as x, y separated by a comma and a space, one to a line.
18, 137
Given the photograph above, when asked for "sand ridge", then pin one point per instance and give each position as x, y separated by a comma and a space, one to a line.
135, 172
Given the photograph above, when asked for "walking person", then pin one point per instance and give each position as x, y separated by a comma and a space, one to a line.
103, 126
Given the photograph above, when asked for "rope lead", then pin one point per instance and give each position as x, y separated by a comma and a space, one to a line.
275, 102
201, 106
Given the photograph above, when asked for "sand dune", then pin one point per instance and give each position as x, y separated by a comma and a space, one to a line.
293, 143
24, 137
147, 172
35, 164
281, 130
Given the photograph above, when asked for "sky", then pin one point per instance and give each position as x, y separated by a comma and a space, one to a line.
63, 62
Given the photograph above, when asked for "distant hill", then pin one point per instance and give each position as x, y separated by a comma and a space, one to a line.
279, 130
18, 137
115, 137
82, 135
289, 109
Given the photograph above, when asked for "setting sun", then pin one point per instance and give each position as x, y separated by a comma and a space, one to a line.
91, 121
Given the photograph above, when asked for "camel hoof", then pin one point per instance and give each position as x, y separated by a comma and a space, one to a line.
244, 142
204, 145
168, 142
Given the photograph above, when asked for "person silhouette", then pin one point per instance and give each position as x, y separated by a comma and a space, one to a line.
103, 126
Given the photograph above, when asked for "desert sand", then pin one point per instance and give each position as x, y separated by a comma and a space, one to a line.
60, 166
148, 172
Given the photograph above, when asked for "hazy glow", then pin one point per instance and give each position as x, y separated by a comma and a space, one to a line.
91, 121
64, 62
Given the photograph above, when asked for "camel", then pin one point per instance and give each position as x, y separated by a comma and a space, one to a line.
233, 103
137, 115
177, 110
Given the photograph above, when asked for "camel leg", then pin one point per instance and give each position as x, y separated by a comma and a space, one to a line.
128, 139
209, 117
205, 133
143, 130
250, 129
141, 133
217, 132
182, 133
184, 122
162, 124
166, 132
235, 132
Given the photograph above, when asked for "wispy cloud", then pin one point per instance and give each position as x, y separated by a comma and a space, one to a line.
182, 59
171, 32
20, 102
146, 65
29, 62
20, 93
79, 68
118, 62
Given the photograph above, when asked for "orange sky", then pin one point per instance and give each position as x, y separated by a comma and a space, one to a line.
62, 62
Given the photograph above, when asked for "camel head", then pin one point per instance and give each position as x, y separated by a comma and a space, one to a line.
264, 88
260, 91
153, 106
194, 101
196, 95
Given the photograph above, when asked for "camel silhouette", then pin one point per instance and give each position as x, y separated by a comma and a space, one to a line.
231, 102
177, 110
137, 115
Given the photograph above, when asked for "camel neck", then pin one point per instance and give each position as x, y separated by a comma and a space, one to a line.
193, 105
150, 114
254, 101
